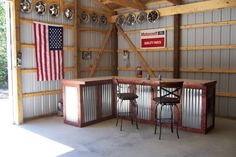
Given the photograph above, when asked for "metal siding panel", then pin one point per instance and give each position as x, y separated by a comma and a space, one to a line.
89, 99
232, 107
216, 15
191, 108
223, 106
106, 100
144, 101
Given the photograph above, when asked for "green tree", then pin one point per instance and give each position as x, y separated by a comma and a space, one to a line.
3, 46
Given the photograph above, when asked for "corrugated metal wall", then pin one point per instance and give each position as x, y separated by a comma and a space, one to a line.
212, 59
194, 59
34, 106
157, 59
93, 39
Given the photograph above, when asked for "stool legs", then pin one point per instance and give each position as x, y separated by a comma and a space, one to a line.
171, 120
177, 124
132, 114
160, 122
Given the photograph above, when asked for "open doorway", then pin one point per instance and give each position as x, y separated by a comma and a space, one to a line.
6, 111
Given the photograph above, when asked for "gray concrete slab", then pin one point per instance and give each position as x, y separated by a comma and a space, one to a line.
50, 137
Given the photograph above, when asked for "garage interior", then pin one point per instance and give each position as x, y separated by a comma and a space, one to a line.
200, 44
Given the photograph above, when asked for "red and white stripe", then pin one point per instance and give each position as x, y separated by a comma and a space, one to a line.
49, 64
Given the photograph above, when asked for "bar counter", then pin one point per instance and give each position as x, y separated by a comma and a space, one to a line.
91, 100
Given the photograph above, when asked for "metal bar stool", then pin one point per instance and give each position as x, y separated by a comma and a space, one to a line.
133, 106
169, 95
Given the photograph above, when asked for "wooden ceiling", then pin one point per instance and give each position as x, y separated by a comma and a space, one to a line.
116, 5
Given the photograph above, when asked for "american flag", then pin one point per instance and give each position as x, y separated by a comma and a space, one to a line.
49, 51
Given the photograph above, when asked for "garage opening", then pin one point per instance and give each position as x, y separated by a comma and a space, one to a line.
6, 113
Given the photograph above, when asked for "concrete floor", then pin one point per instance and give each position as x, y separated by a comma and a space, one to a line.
50, 137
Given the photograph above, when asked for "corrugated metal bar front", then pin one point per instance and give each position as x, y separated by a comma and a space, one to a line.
106, 100
90, 103
144, 101
71, 109
192, 108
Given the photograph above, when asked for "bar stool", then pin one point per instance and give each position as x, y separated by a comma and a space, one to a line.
133, 106
169, 95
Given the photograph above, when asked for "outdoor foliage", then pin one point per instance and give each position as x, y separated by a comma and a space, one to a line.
3, 45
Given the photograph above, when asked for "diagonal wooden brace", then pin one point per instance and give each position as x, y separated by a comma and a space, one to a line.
138, 54
99, 54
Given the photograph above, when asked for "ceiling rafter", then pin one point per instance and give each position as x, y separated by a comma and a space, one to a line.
104, 6
172, 1
139, 3
124, 3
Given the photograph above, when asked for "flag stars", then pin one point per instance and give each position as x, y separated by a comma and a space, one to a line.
55, 38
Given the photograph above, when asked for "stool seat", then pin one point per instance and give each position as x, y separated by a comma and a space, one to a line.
123, 110
166, 100
127, 96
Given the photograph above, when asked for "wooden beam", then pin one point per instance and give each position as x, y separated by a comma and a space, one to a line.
76, 39
172, 1
139, 3
30, 21
123, 3
189, 26
43, 93
103, 6
187, 70
99, 54
115, 54
177, 43
155, 3
17, 80
225, 94
30, 45
95, 50
176, 53
184, 48
138, 54
34, 70
191, 8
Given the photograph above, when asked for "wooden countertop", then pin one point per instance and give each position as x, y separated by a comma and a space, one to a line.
135, 80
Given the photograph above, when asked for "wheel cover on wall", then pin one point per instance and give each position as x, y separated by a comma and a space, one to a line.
54, 10
153, 16
84, 17
40, 7
142, 17
131, 19
25, 6
69, 13
120, 20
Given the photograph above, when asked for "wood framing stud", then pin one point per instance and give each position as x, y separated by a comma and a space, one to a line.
99, 54
17, 81
138, 54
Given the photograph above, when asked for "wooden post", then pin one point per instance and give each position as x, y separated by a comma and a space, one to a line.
17, 82
177, 41
115, 53
77, 38
99, 54
138, 54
